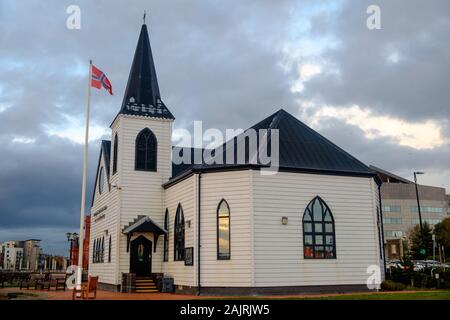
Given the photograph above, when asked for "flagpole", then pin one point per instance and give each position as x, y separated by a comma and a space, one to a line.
83, 188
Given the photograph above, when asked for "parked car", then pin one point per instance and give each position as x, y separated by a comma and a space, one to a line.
419, 266
393, 264
432, 263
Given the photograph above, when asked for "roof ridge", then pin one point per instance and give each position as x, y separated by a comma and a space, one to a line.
276, 119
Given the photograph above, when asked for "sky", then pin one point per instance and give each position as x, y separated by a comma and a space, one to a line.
382, 95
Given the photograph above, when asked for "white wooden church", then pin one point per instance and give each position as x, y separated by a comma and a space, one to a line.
227, 229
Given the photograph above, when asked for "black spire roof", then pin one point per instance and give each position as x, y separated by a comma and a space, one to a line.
142, 95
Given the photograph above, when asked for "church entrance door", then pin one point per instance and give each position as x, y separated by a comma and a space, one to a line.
141, 257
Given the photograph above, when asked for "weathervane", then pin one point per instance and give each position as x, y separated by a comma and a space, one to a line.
145, 14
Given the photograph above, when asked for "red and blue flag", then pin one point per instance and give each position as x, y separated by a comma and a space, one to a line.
100, 80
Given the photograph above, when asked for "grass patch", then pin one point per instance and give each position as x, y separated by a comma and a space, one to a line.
417, 295
422, 295
18, 296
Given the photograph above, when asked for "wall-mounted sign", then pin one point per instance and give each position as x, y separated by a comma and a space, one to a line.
189, 256
96, 213
100, 217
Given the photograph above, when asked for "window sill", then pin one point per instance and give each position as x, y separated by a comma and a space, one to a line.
145, 170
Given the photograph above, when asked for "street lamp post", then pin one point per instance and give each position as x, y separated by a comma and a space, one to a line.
71, 236
420, 213
434, 247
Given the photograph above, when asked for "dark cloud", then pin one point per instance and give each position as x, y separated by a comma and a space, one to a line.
414, 88
412, 85
216, 61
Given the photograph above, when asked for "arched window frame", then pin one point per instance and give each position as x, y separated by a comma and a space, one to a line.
109, 248
149, 152
99, 243
116, 148
223, 255
311, 249
179, 234
94, 250
97, 250
166, 236
101, 180
102, 250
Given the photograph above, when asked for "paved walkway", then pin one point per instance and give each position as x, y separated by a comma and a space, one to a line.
101, 295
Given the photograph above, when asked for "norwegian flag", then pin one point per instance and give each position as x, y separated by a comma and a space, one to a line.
99, 79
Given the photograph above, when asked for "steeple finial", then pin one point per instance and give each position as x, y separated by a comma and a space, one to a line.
145, 15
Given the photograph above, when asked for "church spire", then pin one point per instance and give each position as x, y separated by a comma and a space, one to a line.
142, 95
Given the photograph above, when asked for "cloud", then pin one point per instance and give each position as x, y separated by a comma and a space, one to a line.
306, 72
400, 70
390, 84
418, 135
73, 129
385, 153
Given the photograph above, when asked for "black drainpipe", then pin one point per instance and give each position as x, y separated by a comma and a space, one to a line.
382, 229
198, 231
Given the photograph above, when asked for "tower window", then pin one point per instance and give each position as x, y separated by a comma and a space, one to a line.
146, 147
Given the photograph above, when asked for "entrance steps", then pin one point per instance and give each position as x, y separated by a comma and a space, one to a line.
145, 285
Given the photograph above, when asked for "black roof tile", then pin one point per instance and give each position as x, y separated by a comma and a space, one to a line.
300, 148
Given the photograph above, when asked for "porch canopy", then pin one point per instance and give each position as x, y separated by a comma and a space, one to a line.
143, 224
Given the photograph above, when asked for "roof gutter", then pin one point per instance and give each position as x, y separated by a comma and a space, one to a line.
382, 230
189, 172
198, 232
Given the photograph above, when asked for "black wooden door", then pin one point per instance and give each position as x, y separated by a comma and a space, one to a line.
141, 257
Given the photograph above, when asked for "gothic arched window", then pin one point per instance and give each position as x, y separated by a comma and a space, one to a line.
116, 146
223, 231
101, 180
179, 235
109, 249
166, 236
94, 251
146, 147
102, 249
319, 239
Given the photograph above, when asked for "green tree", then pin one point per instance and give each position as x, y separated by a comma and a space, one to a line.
415, 240
442, 232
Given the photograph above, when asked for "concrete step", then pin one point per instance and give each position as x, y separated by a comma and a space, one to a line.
145, 285
147, 291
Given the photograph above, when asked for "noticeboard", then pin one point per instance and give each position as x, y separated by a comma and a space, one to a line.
189, 256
